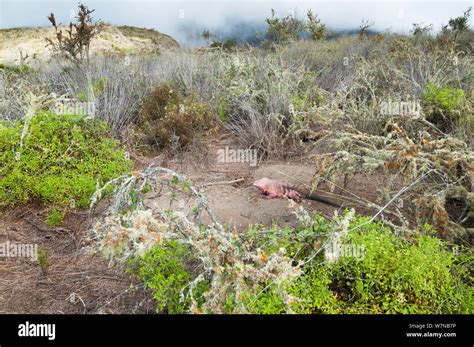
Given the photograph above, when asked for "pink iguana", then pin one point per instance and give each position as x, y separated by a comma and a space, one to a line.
278, 189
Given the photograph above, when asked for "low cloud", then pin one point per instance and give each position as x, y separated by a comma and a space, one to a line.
185, 20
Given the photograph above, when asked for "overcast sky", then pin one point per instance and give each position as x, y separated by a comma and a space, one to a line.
183, 19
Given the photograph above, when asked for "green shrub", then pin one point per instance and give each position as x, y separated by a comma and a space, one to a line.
397, 276
43, 260
284, 29
291, 28
314, 293
55, 217
20, 69
443, 105
445, 98
311, 294
228, 45
163, 270
62, 160
393, 275
168, 120
268, 302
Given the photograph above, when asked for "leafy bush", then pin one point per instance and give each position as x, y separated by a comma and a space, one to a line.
57, 159
316, 29
290, 28
443, 104
167, 120
446, 98
315, 293
393, 275
193, 268
310, 293
163, 270
284, 29
397, 276
55, 217
457, 25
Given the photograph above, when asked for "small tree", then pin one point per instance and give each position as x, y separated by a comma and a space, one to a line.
75, 44
458, 25
364, 28
419, 29
206, 35
316, 29
284, 29
290, 27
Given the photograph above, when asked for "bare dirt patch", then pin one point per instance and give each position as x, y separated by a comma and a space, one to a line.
235, 202
73, 282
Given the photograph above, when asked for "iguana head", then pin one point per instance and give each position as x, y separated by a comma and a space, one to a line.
262, 184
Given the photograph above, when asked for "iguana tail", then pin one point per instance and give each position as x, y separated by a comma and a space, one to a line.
319, 198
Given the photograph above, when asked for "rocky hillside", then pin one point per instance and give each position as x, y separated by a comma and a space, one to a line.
18, 42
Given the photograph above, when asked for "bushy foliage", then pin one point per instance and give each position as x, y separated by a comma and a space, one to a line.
446, 98
401, 276
419, 160
55, 217
316, 29
392, 276
163, 269
284, 29
291, 28
168, 120
458, 25
56, 159
306, 269
444, 105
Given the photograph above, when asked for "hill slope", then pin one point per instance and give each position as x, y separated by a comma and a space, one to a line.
121, 39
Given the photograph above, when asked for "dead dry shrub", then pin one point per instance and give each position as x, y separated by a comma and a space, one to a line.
168, 120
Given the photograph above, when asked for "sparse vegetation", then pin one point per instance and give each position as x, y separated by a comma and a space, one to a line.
75, 43
43, 260
394, 109
192, 268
